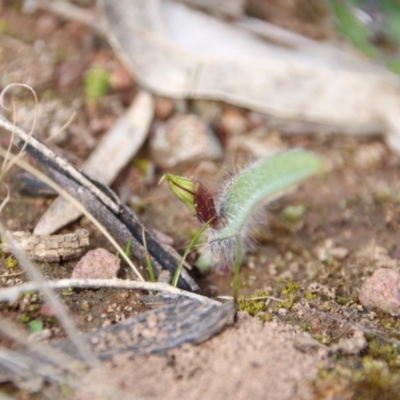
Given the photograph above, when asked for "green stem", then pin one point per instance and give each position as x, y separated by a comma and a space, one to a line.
128, 247
148, 260
191, 244
238, 263
150, 268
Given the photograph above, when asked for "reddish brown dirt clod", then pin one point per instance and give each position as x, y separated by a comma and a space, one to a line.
97, 264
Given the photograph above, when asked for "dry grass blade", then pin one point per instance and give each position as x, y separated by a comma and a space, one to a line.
5, 167
11, 294
62, 129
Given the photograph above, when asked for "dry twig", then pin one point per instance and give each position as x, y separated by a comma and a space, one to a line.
11, 294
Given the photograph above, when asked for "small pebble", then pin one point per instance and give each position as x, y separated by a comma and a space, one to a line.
381, 291
164, 276
46, 24
47, 310
316, 287
120, 79
260, 143
353, 344
339, 253
164, 108
207, 110
97, 264
183, 138
378, 256
283, 311
306, 343
327, 250
233, 121
370, 155
69, 71
44, 334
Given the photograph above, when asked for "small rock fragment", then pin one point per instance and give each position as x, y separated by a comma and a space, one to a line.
69, 71
262, 143
370, 155
183, 138
164, 108
339, 253
97, 264
48, 311
316, 287
378, 256
306, 343
120, 79
283, 312
164, 276
233, 121
30, 385
46, 24
381, 291
207, 110
40, 336
328, 249
353, 344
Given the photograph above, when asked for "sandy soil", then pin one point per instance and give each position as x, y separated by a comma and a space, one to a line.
247, 361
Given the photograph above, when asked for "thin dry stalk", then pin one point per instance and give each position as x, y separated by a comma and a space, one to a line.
62, 129
6, 167
11, 294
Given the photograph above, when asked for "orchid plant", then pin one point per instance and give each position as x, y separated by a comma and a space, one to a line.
227, 220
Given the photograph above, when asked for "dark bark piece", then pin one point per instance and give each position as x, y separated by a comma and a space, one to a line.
28, 185
159, 330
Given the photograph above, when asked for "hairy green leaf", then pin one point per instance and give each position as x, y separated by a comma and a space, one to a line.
264, 179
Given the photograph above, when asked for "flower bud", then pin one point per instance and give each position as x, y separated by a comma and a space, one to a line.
196, 197
183, 188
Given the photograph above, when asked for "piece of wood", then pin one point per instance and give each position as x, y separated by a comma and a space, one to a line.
325, 87
12, 293
50, 248
159, 330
